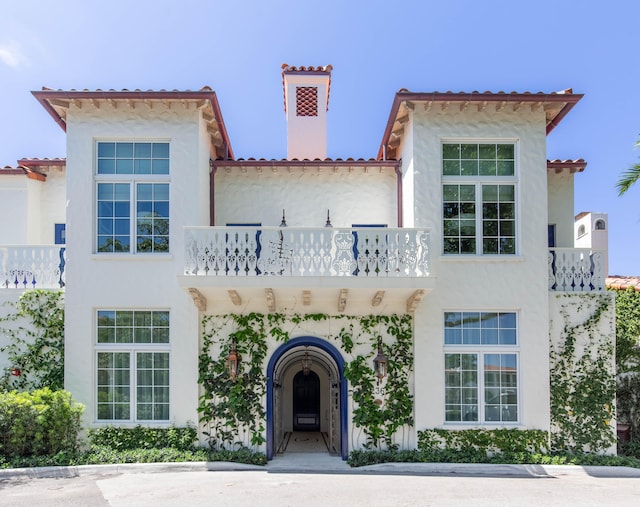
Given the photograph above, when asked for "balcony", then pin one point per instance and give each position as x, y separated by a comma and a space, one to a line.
359, 270
306, 252
32, 267
576, 270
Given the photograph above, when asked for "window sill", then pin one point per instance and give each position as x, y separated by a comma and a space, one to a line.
129, 424
482, 258
484, 425
131, 257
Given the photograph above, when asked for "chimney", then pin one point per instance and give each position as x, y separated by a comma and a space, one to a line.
306, 101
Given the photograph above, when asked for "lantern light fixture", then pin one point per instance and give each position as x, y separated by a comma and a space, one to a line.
380, 362
233, 362
306, 362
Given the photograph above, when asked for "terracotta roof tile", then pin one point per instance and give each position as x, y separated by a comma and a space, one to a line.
39, 162
623, 282
577, 165
292, 68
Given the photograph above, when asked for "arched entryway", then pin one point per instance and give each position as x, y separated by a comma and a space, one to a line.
304, 402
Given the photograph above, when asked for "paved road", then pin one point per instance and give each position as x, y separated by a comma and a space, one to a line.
381, 486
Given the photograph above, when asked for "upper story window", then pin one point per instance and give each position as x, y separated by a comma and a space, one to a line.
479, 198
582, 230
132, 192
600, 225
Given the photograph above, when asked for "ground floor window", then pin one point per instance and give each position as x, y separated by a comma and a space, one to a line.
132, 358
481, 367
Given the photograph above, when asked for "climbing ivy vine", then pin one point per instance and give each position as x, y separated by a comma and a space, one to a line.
628, 359
34, 335
582, 377
233, 410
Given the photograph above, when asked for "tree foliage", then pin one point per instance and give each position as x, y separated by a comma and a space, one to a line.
629, 177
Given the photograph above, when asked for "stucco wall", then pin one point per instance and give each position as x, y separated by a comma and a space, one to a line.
8, 300
516, 283
561, 207
112, 281
356, 197
52, 205
14, 203
594, 338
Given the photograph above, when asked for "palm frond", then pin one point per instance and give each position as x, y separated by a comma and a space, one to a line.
628, 178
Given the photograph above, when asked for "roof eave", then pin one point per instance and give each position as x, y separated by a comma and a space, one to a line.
569, 100
45, 97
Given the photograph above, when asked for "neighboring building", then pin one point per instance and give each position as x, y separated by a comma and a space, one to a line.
446, 224
591, 231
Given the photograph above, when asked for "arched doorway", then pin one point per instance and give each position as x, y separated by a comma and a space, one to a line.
307, 403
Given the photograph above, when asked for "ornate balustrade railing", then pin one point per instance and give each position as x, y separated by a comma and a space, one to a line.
292, 251
576, 270
32, 267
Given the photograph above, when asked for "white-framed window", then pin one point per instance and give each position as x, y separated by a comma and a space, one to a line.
582, 230
132, 365
481, 367
132, 194
479, 198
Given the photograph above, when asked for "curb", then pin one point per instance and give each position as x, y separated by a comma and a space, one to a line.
454, 469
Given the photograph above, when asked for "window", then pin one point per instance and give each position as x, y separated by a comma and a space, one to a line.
582, 230
132, 365
479, 199
132, 197
481, 367
600, 225
551, 235
60, 234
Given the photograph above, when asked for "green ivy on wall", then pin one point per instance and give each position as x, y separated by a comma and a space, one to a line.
35, 349
233, 410
628, 359
583, 379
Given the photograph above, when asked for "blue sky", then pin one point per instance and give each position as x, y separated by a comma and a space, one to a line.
376, 47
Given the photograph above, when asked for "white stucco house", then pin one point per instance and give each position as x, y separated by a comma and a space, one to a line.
459, 225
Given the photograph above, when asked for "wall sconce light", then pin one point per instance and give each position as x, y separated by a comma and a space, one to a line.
328, 224
380, 362
284, 220
233, 362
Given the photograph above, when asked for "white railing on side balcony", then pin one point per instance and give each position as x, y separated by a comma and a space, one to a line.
292, 251
32, 267
576, 270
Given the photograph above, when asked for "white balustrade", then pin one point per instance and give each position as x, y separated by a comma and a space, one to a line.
292, 251
32, 267
576, 270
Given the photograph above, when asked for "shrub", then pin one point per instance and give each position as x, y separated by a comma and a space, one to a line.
477, 443
39, 423
139, 437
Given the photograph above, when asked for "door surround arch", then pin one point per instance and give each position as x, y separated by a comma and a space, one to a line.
329, 349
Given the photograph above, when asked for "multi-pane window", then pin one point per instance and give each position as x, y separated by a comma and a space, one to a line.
133, 365
481, 367
132, 197
479, 206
